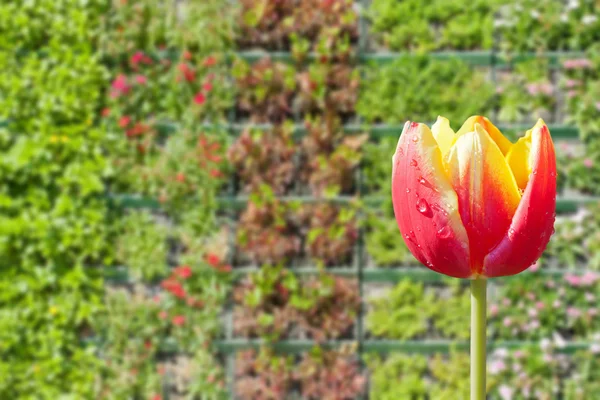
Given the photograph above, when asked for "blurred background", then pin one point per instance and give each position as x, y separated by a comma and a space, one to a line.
194, 198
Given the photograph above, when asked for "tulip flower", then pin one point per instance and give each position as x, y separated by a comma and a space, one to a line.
471, 204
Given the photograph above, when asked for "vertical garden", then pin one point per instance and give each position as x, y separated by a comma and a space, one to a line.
194, 198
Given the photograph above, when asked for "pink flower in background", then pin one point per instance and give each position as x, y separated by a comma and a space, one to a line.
178, 320
557, 304
207, 87
119, 86
507, 322
539, 305
518, 354
493, 310
162, 315
532, 313
598, 106
573, 312
592, 312
573, 280
496, 367
589, 278
539, 88
571, 94
499, 89
535, 267
588, 163
595, 348
578, 63
571, 83
199, 98
141, 79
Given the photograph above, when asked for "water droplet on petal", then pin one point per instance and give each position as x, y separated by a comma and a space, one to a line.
444, 232
423, 207
425, 183
511, 233
400, 151
534, 172
413, 163
407, 190
415, 138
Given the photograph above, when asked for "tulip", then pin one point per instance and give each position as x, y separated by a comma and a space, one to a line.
471, 204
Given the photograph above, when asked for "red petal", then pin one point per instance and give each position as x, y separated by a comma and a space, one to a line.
426, 206
532, 224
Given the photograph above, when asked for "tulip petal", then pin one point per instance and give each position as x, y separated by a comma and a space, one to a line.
488, 195
426, 206
532, 224
443, 134
469, 126
518, 157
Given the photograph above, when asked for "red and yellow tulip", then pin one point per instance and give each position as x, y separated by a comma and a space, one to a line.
472, 204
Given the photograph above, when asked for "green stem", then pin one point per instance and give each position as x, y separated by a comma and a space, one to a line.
478, 338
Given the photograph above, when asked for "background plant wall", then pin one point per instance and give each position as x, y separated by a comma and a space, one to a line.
195, 198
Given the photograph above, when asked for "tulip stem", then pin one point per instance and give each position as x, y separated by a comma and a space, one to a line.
478, 338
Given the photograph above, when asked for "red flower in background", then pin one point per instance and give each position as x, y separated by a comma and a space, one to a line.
174, 287
119, 86
180, 177
137, 130
199, 98
183, 271
188, 73
213, 260
124, 121
215, 173
207, 87
209, 61
178, 320
139, 57
105, 112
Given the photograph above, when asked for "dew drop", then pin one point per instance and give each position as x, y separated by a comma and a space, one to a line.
418, 229
415, 138
407, 190
413, 163
534, 172
401, 151
553, 174
423, 207
511, 233
425, 183
444, 232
